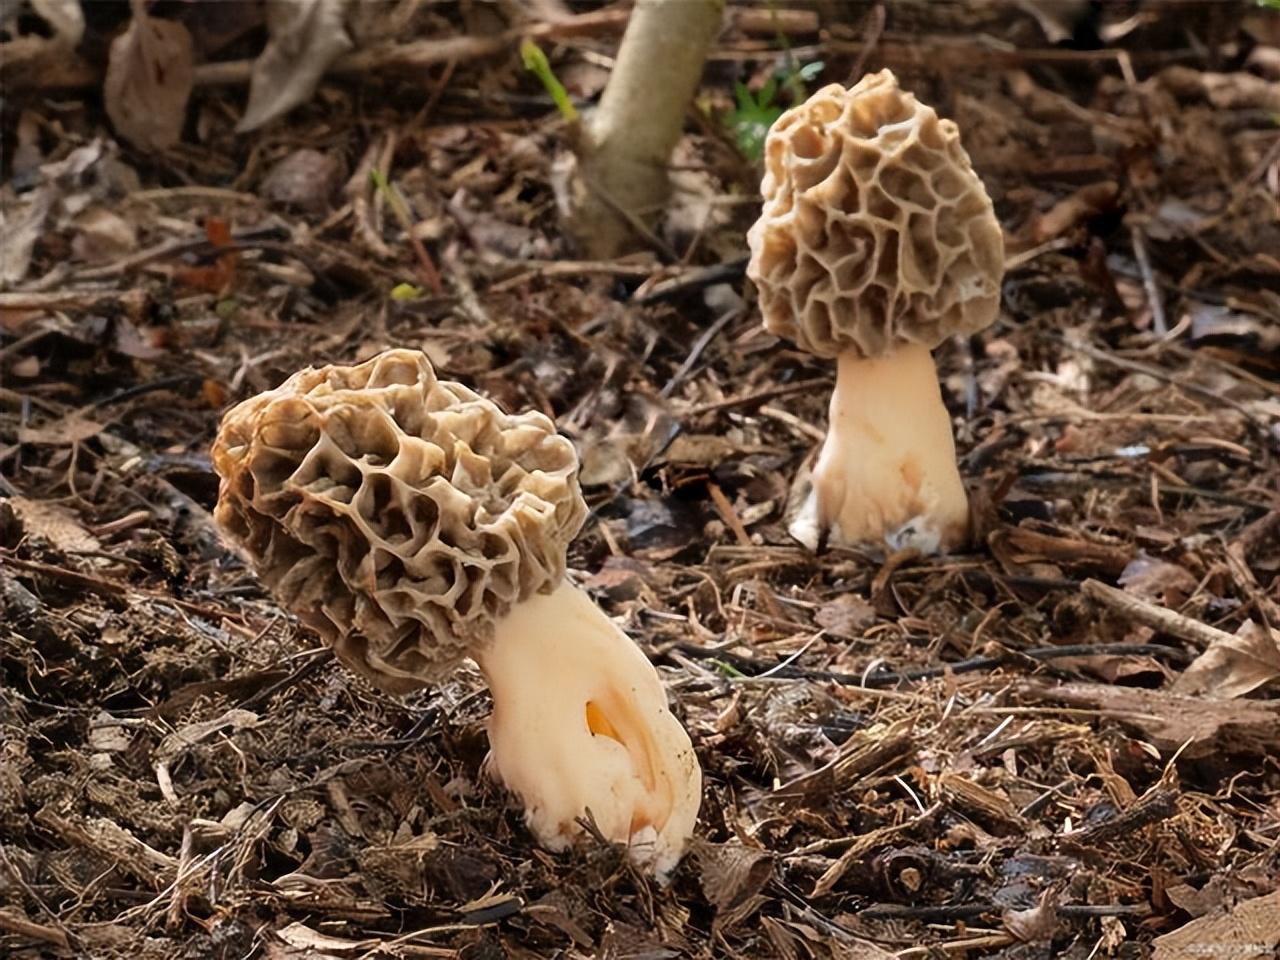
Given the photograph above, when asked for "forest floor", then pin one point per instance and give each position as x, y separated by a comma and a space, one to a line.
1062, 742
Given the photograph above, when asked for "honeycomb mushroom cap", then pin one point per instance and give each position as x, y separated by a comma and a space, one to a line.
875, 229
397, 514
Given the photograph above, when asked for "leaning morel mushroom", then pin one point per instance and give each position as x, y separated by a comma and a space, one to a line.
876, 242
412, 523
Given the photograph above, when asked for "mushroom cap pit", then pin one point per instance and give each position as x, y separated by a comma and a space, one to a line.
397, 514
875, 229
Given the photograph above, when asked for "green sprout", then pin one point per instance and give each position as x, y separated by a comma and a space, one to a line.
750, 120
402, 292
535, 61
728, 670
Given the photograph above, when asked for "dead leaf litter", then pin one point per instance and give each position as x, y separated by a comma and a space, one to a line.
1061, 742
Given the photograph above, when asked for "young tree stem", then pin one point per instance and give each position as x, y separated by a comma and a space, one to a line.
627, 140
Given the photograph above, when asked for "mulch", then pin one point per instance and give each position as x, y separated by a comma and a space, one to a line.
1061, 742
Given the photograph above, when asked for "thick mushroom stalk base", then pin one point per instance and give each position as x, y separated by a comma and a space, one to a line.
580, 724
887, 469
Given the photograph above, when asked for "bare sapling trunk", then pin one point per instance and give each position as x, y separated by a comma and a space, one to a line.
621, 177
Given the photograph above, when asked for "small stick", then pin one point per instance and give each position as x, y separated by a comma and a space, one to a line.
730, 516
1257, 533
691, 282
1154, 806
760, 396
880, 678
359, 190
1158, 323
969, 911
14, 922
794, 422
178, 902
1214, 396
1156, 617
871, 36
959, 947
411, 57
695, 352
400, 209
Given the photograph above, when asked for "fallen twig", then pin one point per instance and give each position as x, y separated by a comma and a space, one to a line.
889, 678
1158, 324
1154, 806
1156, 617
71, 73
14, 922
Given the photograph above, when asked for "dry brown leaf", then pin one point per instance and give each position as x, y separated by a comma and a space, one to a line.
58, 525
66, 21
1239, 664
1250, 929
149, 78
72, 428
102, 235
306, 36
732, 872
19, 231
1158, 580
848, 615
87, 176
1036, 924
1207, 899
698, 449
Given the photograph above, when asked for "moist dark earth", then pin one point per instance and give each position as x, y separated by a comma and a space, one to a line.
1060, 742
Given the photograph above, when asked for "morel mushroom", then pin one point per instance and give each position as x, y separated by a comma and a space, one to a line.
412, 523
876, 242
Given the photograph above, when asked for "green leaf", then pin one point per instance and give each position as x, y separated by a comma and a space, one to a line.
750, 120
535, 61
750, 127
405, 291
730, 671
768, 92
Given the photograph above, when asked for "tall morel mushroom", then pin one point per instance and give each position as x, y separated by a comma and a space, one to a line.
412, 523
876, 242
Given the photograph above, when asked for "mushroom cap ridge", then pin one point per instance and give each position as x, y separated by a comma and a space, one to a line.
396, 514
875, 228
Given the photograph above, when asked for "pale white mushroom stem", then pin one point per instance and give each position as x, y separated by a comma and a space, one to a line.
580, 723
887, 469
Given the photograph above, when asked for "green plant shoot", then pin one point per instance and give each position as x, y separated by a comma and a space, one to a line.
402, 292
535, 61
750, 120
392, 197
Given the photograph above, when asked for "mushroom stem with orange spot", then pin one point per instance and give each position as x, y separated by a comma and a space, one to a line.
580, 726
887, 469
413, 523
